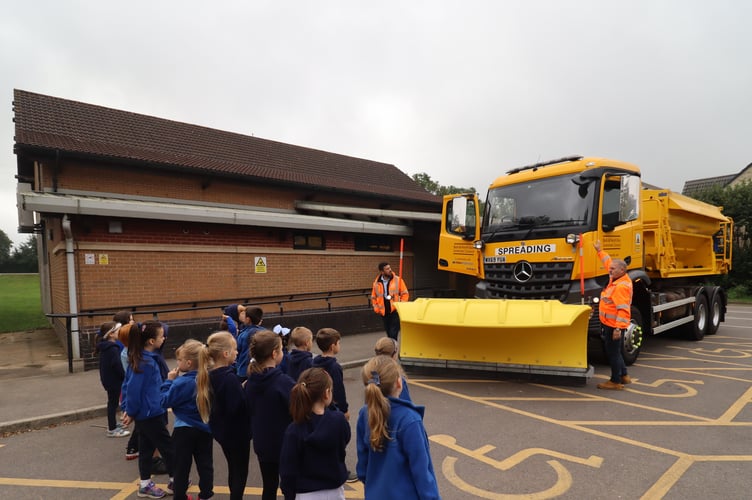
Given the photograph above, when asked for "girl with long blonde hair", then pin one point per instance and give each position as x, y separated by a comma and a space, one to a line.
394, 460
221, 403
191, 435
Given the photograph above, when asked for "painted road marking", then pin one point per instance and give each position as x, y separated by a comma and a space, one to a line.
124, 490
563, 477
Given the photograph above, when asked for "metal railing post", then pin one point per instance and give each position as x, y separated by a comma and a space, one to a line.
69, 334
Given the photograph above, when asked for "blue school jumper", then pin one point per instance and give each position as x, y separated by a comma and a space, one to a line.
403, 469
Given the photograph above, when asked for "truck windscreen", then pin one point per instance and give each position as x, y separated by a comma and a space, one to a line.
544, 203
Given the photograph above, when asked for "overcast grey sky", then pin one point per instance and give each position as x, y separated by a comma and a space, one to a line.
462, 90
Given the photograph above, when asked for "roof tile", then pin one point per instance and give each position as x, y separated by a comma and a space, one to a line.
53, 123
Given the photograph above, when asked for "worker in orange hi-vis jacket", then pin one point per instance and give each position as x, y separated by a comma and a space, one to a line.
615, 316
388, 288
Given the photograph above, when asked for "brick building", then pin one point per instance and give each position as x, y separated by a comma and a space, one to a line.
173, 220
696, 186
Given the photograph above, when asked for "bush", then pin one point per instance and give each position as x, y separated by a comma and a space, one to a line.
739, 292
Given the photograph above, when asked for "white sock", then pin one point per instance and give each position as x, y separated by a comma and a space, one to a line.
145, 482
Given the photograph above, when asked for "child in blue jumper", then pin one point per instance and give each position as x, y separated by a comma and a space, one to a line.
387, 346
312, 461
222, 404
111, 374
267, 392
232, 319
328, 341
394, 460
252, 317
142, 404
300, 357
191, 436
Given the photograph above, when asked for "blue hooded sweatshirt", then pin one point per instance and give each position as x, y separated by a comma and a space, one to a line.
403, 469
180, 395
313, 454
268, 397
141, 397
244, 349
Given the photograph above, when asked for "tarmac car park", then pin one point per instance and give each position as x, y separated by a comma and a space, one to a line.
680, 430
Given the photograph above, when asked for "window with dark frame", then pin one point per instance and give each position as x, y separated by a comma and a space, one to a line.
373, 243
308, 241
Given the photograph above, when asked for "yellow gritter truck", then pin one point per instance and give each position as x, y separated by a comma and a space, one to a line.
532, 251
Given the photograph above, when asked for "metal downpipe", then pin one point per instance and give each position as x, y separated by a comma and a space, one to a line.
71, 270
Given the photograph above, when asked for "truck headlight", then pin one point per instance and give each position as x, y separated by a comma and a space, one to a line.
573, 238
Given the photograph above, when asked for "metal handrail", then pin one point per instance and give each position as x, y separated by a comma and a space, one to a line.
270, 299
307, 297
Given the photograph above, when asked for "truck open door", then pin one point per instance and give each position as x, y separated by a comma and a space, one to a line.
460, 227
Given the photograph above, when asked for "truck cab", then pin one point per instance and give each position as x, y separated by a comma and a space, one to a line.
535, 237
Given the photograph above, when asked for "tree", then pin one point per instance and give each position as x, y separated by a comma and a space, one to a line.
434, 187
737, 204
5, 245
25, 256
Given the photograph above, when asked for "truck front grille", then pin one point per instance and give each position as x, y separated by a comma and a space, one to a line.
550, 280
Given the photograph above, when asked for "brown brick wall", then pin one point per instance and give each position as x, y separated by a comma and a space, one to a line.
156, 276
162, 262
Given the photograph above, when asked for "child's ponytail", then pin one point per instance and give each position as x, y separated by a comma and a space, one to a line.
380, 374
217, 344
311, 388
203, 386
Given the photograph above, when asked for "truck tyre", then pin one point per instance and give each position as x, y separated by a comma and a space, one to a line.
697, 328
716, 306
633, 338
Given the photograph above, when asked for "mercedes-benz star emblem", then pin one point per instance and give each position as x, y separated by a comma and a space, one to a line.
522, 271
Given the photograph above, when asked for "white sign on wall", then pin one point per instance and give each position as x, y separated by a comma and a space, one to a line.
260, 265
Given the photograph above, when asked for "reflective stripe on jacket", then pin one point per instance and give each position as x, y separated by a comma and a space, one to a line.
616, 299
397, 290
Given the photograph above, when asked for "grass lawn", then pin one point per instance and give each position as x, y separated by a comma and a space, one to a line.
20, 303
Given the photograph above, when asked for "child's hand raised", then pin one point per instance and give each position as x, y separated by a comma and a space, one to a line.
173, 374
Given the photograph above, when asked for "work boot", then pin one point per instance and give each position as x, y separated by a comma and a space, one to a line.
625, 379
611, 386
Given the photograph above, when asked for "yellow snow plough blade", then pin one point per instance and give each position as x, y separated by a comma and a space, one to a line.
525, 336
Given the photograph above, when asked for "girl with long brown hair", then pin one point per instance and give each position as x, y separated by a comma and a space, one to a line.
312, 461
267, 392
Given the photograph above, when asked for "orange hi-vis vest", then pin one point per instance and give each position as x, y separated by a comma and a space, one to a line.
397, 290
616, 299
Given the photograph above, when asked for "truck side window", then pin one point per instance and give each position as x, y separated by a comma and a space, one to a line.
460, 216
629, 203
610, 207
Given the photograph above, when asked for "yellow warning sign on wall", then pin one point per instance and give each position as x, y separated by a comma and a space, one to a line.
260, 265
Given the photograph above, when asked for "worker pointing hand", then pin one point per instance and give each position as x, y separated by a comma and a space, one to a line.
615, 315
597, 245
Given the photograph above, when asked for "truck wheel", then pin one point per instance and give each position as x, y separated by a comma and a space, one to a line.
633, 338
715, 312
697, 328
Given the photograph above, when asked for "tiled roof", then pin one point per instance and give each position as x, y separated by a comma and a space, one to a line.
52, 123
698, 185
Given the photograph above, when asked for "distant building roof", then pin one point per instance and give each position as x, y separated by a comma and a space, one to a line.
47, 124
699, 185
